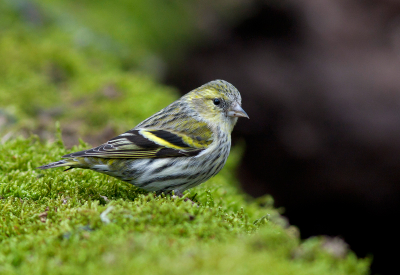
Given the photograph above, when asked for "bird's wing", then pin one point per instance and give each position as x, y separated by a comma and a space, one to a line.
153, 143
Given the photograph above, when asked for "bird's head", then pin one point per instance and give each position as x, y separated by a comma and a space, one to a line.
218, 103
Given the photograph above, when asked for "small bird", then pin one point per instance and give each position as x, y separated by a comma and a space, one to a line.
181, 146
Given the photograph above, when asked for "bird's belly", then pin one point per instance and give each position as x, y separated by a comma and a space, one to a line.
166, 174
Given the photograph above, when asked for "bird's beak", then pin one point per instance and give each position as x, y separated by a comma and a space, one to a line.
236, 111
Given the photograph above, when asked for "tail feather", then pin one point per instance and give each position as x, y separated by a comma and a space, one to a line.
61, 163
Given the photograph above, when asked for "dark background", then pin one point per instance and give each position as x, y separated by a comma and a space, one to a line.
320, 81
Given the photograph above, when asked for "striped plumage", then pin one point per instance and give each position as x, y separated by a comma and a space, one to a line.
181, 146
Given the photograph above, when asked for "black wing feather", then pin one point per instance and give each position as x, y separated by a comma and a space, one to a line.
137, 146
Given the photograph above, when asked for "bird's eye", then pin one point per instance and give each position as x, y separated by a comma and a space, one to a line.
216, 101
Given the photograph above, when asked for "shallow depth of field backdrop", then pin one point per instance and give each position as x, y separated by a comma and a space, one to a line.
319, 80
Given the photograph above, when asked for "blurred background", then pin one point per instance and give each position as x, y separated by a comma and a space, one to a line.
320, 80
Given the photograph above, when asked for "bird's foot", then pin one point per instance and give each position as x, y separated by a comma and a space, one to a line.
180, 195
177, 193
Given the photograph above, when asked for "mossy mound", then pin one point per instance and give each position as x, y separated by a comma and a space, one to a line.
60, 64
74, 222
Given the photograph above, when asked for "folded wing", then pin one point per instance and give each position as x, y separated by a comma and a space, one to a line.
150, 143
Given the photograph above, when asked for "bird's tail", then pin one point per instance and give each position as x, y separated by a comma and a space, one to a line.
61, 163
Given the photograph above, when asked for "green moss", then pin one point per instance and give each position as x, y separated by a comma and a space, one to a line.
54, 222
47, 73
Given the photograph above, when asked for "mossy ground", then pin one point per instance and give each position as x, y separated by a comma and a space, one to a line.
93, 65
52, 63
55, 222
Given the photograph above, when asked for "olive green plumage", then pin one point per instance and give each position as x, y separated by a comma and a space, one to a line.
181, 146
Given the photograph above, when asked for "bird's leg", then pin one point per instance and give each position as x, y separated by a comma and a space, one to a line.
178, 193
